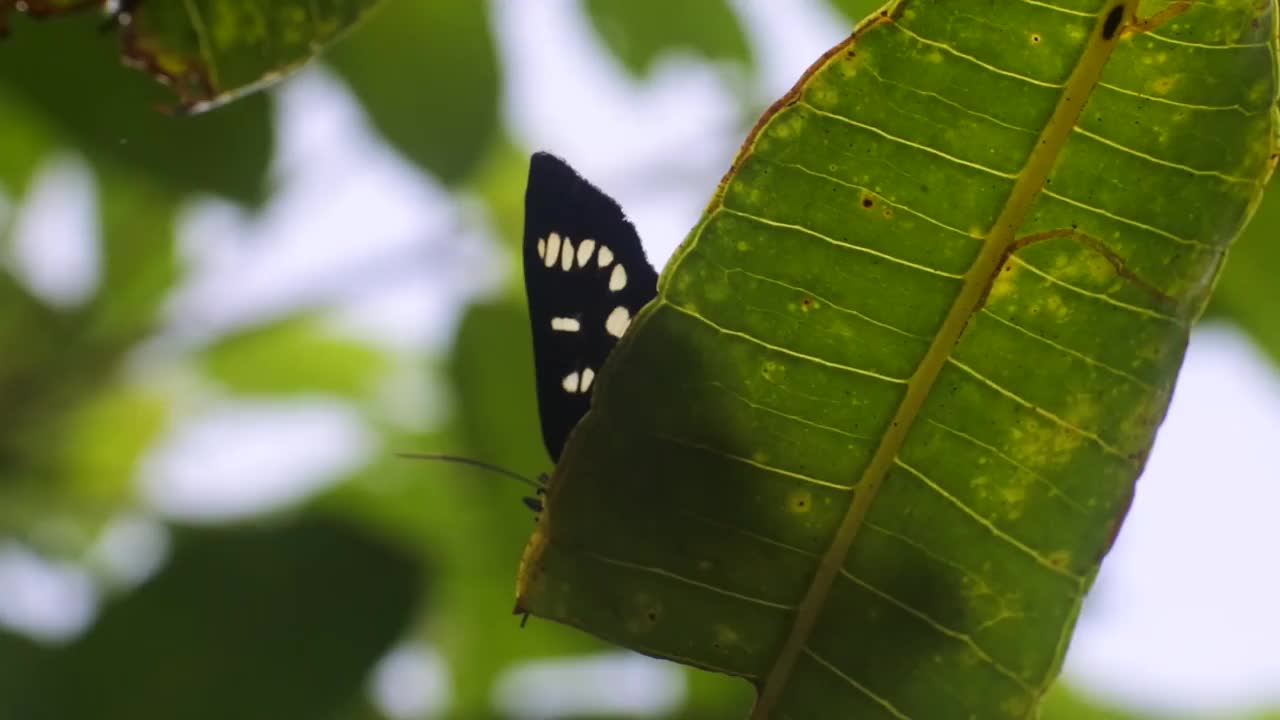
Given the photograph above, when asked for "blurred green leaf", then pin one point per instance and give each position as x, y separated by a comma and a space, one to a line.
139, 269
1247, 291
22, 661
247, 623
55, 371
427, 73
105, 435
497, 421
856, 10
27, 143
295, 355
468, 523
1063, 702
499, 181
869, 445
213, 51
497, 411
66, 76
639, 33
42, 8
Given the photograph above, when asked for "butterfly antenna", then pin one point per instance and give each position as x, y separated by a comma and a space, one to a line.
473, 463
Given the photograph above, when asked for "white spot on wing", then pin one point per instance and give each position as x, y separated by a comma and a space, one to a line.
604, 257
565, 324
566, 255
553, 249
570, 382
618, 278
618, 321
542, 247
584, 251
587, 376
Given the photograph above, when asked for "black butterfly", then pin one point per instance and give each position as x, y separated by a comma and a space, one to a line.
586, 277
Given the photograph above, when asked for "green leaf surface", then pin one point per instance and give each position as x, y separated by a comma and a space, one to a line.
870, 443
1247, 292
466, 523
494, 413
103, 438
401, 65
23, 660
294, 356
1066, 703
640, 33
139, 268
61, 82
270, 623
213, 51
856, 9
41, 9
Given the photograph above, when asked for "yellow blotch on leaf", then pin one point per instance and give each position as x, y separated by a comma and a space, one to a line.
725, 637
1040, 444
1082, 411
1005, 284
799, 501
1162, 85
644, 613
1015, 499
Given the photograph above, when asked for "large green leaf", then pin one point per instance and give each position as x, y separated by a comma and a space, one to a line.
854, 9
870, 443
639, 33
60, 82
264, 360
267, 622
443, 120
1247, 293
212, 51
1065, 703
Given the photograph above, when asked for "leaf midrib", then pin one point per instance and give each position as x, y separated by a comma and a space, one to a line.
998, 243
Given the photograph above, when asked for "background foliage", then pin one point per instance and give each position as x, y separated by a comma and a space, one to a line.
307, 605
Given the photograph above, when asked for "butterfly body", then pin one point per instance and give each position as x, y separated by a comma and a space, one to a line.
586, 277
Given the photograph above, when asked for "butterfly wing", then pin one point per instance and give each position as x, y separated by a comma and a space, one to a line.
585, 276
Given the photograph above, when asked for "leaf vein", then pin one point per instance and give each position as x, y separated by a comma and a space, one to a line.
787, 416
784, 351
964, 638
1128, 221
988, 525
1177, 103
680, 578
1166, 163
908, 143
747, 533
857, 685
949, 102
202, 40
964, 56
1098, 296
1203, 46
1069, 351
933, 555
1070, 500
1061, 422
850, 246
905, 208
748, 461
825, 301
